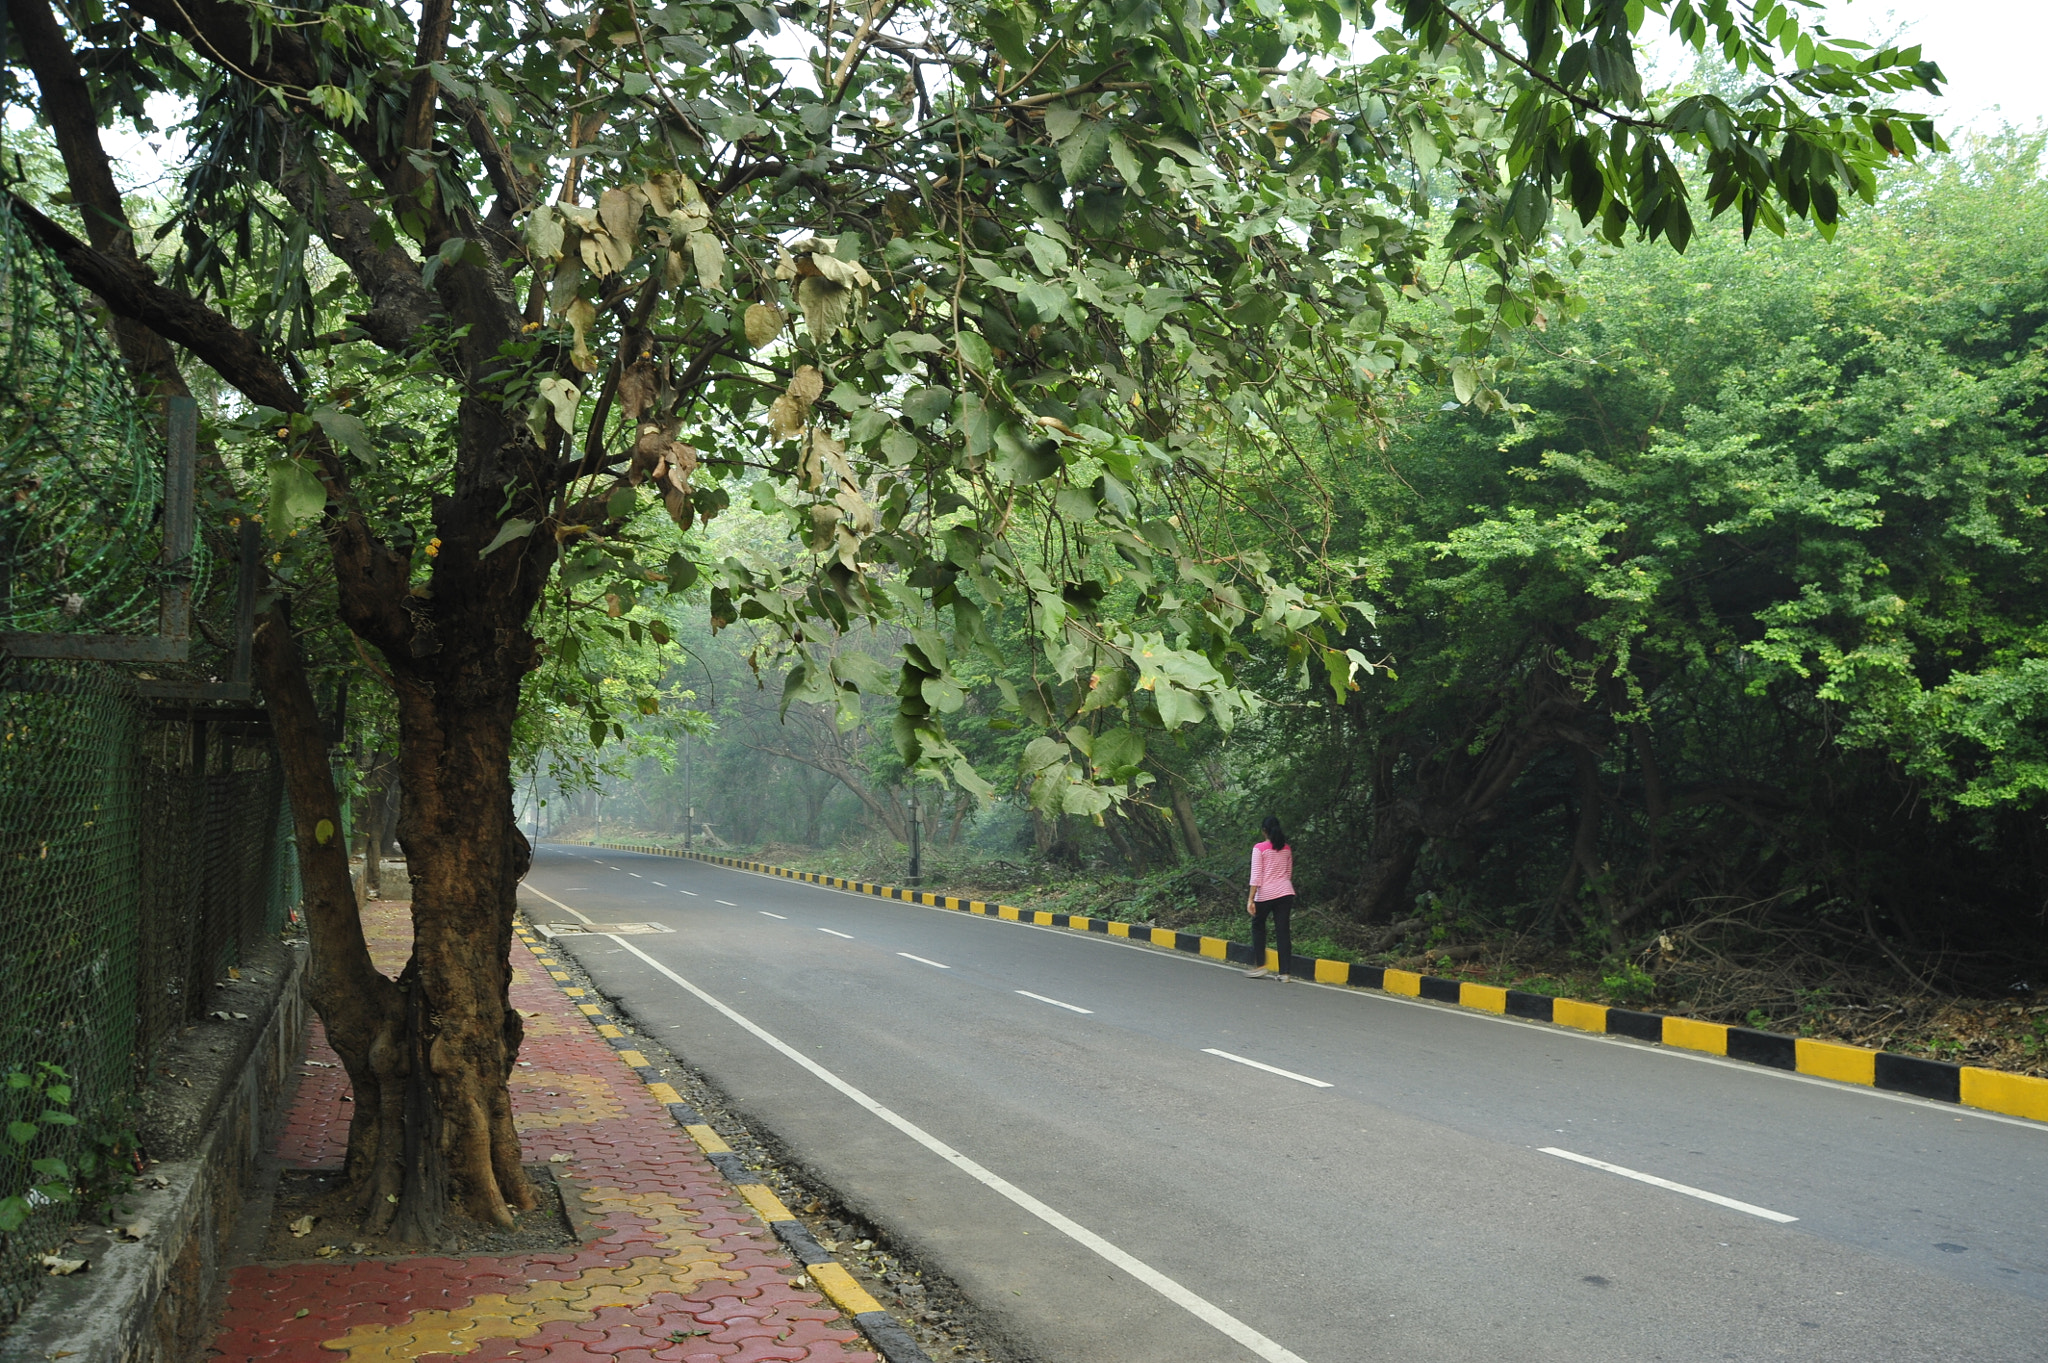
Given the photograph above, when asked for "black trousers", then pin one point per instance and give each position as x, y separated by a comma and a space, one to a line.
1279, 909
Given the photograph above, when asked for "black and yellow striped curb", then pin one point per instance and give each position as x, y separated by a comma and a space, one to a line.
2015, 1095
883, 1330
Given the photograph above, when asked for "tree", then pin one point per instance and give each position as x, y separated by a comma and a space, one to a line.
1744, 609
1004, 277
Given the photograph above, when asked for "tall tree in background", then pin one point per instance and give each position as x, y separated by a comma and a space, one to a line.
965, 295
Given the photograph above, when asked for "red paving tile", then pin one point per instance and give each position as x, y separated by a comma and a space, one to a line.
613, 1300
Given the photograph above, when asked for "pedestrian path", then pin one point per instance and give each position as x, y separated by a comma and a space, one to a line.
676, 1267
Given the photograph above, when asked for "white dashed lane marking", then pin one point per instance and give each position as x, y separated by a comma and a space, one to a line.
1270, 1069
1702, 1194
1070, 1007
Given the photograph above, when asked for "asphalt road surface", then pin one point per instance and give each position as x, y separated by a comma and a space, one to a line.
1126, 1155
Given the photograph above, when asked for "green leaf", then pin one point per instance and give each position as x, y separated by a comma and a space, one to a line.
13, 1214
1125, 161
296, 494
1047, 301
451, 251
1079, 797
1008, 37
970, 780
1061, 120
323, 832
942, 695
1464, 381
862, 672
1023, 457
1042, 753
347, 430
544, 233
975, 351
23, 1132
1176, 707
1083, 154
708, 254
514, 529
1118, 751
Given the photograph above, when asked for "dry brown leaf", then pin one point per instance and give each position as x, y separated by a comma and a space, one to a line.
582, 315
824, 526
824, 303
302, 1227
764, 323
619, 210
637, 387
806, 385
559, 1158
786, 417
60, 1267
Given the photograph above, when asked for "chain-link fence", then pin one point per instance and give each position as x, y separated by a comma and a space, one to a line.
81, 473
141, 854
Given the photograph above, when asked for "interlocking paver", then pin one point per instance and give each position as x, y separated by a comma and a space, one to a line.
679, 1271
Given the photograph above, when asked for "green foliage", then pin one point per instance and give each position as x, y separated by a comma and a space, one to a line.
1743, 606
978, 310
38, 1101
1629, 983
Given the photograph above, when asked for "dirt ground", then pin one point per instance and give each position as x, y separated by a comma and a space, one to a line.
314, 1219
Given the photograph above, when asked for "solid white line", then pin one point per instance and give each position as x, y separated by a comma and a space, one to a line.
727, 902
847, 935
1166, 1287
921, 960
765, 914
559, 904
1270, 1069
1072, 1008
1765, 1212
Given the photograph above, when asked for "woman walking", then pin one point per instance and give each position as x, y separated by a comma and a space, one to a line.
1272, 896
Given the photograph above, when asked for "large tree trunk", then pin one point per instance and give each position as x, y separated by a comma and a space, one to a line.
363, 1012
465, 855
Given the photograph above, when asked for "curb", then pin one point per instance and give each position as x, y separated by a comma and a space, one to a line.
1999, 1091
890, 1339
152, 1300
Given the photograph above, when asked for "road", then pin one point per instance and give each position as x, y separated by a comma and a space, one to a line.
1067, 1126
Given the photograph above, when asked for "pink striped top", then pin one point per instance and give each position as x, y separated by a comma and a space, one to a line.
1272, 872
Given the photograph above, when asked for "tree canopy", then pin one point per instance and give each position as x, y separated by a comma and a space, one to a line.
978, 301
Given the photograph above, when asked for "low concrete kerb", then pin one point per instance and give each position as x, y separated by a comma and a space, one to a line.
882, 1330
151, 1300
2000, 1091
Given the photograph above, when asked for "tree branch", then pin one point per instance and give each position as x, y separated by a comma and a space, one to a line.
68, 108
401, 305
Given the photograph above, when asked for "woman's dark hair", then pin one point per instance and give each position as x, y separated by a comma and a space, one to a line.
1275, 834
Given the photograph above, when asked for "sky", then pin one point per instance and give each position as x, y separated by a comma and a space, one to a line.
1989, 49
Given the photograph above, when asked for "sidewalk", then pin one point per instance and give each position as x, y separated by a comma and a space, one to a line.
675, 1267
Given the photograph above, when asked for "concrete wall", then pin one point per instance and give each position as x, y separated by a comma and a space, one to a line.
151, 1300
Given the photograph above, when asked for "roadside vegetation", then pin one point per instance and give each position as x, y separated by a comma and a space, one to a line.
1713, 673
